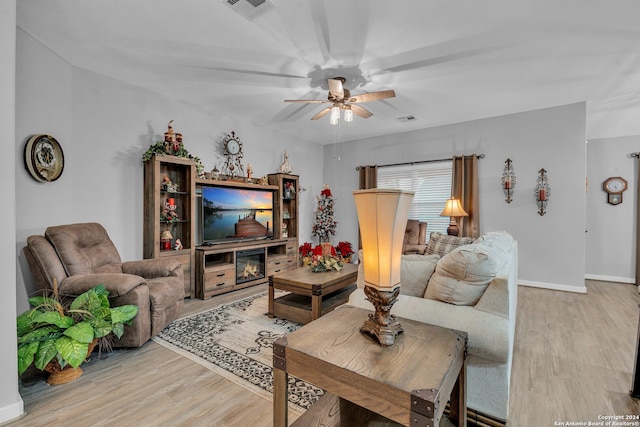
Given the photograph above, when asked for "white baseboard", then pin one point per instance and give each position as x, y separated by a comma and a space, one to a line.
12, 412
553, 286
610, 278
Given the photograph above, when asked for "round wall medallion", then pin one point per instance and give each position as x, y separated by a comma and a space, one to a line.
43, 158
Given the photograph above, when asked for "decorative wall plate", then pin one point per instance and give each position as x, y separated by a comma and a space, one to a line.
43, 158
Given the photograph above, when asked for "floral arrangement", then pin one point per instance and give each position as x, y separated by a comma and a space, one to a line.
325, 257
324, 224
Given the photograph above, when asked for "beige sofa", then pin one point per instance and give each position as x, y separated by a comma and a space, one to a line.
472, 288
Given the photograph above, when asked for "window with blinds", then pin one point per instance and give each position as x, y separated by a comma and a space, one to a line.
431, 183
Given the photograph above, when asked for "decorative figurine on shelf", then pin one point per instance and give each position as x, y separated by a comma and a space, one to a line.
264, 180
165, 240
178, 245
285, 232
285, 167
172, 140
215, 173
169, 186
289, 190
169, 213
249, 172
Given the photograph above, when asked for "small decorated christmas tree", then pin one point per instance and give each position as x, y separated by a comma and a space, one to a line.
324, 224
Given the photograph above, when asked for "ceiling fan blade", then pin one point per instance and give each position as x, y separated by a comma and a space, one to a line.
307, 101
336, 91
362, 112
373, 96
321, 114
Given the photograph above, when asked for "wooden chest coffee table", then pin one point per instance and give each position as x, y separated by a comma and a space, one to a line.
408, 383
312, 294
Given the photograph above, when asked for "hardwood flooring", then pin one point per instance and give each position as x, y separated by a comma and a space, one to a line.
573, 361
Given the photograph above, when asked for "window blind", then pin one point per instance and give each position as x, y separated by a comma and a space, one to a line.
431, 183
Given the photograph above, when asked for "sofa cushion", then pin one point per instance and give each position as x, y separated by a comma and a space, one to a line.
462, 276
442, 244
415, 272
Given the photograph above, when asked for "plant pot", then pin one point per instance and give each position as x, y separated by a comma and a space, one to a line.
58, 375
62, 376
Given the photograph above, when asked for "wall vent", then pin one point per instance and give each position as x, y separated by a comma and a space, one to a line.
250, 9
407, 118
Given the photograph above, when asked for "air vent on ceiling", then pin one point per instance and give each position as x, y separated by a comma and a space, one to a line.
407, 118
250, 9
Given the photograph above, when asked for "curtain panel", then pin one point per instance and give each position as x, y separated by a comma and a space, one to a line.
368, 177
464, 186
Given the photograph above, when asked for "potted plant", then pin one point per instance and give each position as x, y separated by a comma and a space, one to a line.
58, 338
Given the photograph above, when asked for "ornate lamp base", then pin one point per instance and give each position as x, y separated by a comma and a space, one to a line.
382, 323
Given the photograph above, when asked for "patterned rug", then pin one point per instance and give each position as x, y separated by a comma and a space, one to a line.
235, 340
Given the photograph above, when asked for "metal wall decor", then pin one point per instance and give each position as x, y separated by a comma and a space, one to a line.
542, 191
508, 180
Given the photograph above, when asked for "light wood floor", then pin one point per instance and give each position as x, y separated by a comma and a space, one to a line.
573, 361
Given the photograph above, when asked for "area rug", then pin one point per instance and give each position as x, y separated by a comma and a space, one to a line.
235, 340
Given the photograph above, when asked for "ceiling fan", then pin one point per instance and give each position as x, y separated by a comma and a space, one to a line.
340, 99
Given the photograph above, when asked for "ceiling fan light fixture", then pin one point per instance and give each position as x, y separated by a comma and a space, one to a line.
348, 115
334, 118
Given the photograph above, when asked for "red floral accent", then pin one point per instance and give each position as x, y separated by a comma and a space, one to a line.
306, 249
344, 249
326, 192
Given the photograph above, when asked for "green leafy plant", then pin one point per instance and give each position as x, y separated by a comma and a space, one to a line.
50, 331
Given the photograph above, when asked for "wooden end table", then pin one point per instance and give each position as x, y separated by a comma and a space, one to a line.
312, 294
407, 383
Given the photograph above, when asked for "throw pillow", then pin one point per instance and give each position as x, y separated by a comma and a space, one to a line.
462, 276
442, 244
415, 272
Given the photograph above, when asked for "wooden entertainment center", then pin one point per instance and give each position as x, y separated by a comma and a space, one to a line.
173, 207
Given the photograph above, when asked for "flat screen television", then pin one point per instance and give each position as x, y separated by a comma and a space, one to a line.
232, 214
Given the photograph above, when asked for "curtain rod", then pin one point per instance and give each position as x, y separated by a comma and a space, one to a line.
480, 156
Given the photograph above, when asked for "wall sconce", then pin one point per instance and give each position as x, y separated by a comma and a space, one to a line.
542, 192
382, 216
508, 180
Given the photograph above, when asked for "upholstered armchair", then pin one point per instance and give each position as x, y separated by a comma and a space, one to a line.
80, 256
415, 237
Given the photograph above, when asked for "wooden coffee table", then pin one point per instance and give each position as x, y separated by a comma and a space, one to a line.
407, 383
311, 294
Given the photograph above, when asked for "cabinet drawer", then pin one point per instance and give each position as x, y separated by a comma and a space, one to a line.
216, 280
292, 248
276, 263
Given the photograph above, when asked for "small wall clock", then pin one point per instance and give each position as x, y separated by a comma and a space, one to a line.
233, 152
614, 187
43, 158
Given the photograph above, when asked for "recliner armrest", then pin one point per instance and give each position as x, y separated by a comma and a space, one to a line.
117, 284
155, 267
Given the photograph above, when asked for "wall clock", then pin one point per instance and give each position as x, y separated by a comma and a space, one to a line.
43, 158
614, 186
233, 152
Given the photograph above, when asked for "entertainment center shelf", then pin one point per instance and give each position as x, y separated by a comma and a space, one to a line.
181, 211
228, 267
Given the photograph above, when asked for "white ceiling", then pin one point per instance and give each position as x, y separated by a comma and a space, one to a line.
448, 61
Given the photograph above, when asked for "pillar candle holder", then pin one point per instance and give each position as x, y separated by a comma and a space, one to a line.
508, 180
542, 192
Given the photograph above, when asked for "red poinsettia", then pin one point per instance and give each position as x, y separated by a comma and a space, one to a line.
344, 249
306, 249
326, 192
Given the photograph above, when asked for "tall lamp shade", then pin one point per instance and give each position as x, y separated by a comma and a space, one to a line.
382, 216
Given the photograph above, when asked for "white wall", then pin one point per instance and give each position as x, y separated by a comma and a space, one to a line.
104, 127
11, 405
551, 247
611, 230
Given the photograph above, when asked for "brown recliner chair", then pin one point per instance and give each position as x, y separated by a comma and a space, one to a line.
80, 256
415, 237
